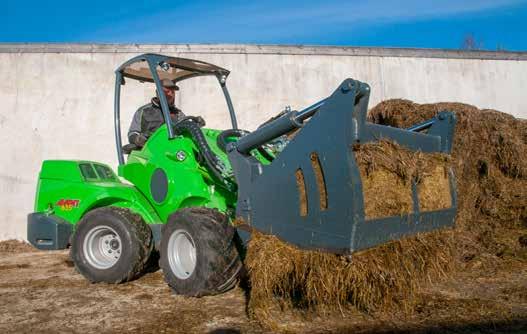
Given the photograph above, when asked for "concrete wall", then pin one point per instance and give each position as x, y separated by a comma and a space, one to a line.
57, 100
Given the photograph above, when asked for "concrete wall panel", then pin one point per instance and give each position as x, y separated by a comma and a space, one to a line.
57, 100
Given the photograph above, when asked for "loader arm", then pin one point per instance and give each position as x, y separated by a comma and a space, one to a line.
333, 218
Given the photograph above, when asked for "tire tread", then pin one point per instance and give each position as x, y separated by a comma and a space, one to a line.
138, 230
214, 229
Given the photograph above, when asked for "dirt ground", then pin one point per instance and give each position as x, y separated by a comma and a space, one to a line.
41, 292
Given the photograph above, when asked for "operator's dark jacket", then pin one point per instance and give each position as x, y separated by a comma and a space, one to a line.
149, 118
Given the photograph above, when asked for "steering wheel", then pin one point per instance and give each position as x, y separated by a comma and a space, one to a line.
196, 119
227, 136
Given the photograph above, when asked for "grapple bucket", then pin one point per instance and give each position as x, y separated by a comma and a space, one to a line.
311, 194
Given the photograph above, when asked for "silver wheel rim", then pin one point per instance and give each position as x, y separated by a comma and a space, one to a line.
181, 254
102, 247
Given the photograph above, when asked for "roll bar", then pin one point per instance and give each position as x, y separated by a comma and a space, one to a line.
190, 68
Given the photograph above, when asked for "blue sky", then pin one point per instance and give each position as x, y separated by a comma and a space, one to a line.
403, 23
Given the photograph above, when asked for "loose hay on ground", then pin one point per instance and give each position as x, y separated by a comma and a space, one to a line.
284, 277
16, 246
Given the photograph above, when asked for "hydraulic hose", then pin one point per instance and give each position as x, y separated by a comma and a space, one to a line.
192, 125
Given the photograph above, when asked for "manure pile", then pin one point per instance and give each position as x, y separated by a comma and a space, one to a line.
491, 175
488, 159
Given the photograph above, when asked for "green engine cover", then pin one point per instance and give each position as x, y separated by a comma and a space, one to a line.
69, 189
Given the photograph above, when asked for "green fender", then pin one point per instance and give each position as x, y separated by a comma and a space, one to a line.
124, 197
68, 190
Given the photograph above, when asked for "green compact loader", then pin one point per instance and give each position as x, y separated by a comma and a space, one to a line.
174, 201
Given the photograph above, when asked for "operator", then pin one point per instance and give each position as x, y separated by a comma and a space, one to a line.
149, 117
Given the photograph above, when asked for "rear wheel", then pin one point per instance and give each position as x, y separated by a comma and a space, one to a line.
198, 250
111, 245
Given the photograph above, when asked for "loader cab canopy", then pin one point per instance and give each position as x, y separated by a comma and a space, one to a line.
154, 68
172, 68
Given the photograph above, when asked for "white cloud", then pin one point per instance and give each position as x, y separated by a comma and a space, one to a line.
267, 21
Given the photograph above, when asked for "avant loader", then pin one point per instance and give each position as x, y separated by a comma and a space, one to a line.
192, 195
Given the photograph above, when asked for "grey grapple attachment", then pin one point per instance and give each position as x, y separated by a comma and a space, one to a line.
270, 199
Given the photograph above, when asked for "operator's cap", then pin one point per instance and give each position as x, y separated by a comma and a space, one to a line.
167, 83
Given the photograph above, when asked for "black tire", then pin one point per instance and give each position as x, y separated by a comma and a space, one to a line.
217, 261
136, 244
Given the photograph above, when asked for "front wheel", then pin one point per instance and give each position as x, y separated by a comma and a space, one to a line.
111, 245
198, 252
